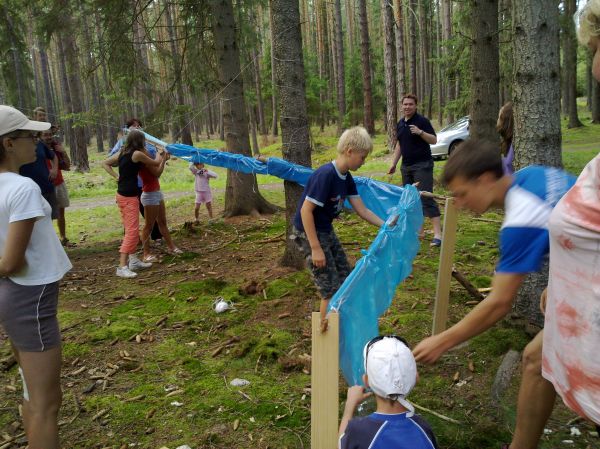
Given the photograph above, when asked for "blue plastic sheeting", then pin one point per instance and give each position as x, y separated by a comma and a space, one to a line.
369, 289
378, 196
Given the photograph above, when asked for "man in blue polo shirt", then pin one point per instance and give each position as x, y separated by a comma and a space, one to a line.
475, 176
414, 134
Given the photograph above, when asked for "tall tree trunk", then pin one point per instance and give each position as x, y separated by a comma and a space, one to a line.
262, 127
537, 85
390, 80
595, 101
413, 45
19, 76
209, 125
274, 119
48, 100
536, 97
92, 78
425, 51
253, 126
183, 124
485, 69
79, 155
570, 55
365, 59
400, 52
350, 23
241, 192
295, 137
322, 58
450, 71
66, 92
341, 78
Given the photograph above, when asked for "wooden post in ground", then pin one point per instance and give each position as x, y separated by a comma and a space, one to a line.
442, 295
324, 383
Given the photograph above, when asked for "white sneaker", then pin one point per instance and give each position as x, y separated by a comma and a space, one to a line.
137, 264
125, 272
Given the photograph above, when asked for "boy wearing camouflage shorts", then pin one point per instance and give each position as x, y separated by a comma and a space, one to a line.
321, 202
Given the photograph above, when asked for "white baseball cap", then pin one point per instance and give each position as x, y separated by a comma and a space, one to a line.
12, 119
391, 369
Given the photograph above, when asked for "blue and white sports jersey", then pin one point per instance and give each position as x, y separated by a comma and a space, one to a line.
527, 205
381, 431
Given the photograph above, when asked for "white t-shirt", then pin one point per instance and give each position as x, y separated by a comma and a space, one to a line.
45, 258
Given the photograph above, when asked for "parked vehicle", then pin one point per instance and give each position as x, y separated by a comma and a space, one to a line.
449, 137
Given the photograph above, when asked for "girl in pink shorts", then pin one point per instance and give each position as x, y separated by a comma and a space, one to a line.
203, 193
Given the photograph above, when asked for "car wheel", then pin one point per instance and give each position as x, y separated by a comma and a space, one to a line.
453, 146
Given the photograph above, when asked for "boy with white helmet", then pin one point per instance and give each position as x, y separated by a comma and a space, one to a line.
391, 373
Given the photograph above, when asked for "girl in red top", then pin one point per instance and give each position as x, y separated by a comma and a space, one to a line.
154, 205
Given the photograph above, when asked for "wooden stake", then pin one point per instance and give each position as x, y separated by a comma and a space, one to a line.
324, 383
442, 295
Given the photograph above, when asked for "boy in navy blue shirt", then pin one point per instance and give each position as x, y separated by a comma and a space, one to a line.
322, 201
391, 372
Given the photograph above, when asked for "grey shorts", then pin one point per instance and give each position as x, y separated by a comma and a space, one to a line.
28, 315
151, 198
62, 196
422, 172
331, 277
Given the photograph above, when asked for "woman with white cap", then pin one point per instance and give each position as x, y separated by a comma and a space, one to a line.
391, 373
32, 261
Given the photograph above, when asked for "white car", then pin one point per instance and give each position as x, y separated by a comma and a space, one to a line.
449, 137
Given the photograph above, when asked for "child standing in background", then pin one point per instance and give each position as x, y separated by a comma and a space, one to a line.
203, 193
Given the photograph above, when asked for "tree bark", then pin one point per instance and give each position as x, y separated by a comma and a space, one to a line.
536, 75
241, 192
536, 102
390, 80
295, 132
400, 52
183, 125
485, 70
570, 58
48, 100
412, 23
595, 102
341, 78
19, 74
262, 127
274, 119
365, 59
449, 82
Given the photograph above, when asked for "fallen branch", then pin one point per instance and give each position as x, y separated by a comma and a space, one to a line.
486, 220
277, 238
462, 280
439, 415
220, 246
8, 443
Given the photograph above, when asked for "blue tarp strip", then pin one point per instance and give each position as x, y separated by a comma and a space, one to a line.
378, 196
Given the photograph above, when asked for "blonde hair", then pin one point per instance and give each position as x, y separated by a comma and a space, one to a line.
588, 22
357, 139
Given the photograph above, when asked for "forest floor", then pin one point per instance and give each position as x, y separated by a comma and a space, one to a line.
149, 364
